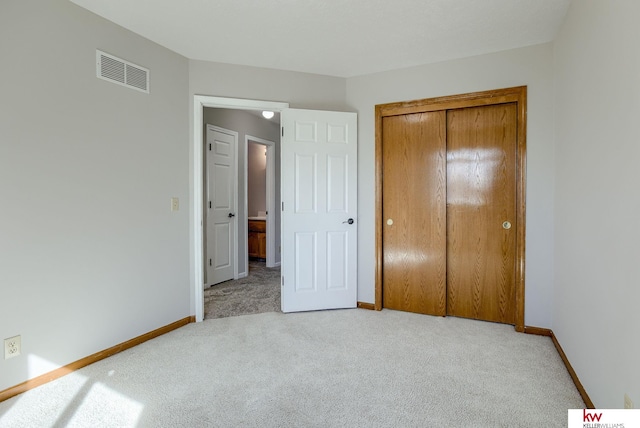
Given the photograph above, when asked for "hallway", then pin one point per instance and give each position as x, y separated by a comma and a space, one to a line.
257, 293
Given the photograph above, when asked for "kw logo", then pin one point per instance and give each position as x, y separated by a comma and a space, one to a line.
590, 417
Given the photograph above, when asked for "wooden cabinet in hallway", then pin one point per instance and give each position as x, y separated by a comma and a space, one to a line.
257, 239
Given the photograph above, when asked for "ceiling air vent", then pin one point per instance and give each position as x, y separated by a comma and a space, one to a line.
122, 72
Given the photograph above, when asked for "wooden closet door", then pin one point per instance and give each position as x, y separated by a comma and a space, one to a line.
414, 212
481, 212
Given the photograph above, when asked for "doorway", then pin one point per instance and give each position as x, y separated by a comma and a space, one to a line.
260, 180
200, 102
450, 205
243, 170
340, 272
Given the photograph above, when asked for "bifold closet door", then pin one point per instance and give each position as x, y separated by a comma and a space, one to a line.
414, 212
481, 212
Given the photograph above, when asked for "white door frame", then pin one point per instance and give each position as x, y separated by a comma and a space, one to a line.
270, 197
196, 261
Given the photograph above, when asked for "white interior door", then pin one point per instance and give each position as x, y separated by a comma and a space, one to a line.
319, 210
221, 205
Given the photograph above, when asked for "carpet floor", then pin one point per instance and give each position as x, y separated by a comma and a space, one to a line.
257, 293
342, 368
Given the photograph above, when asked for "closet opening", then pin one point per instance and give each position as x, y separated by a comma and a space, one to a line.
450, 205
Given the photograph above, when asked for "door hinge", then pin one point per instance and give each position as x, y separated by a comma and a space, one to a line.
209, 204
283, 131
209, 146
209, 262
282, 281
283, 206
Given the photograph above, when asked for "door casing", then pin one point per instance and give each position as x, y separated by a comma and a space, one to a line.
516, 95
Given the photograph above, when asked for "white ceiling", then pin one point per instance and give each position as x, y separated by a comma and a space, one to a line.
342, 38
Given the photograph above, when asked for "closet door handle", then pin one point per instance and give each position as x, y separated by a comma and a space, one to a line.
506, 225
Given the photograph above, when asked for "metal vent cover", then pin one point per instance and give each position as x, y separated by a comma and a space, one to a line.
116, 70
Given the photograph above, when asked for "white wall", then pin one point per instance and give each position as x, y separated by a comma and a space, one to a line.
597, 207
300, 90
90, 254
531, 66
245, 123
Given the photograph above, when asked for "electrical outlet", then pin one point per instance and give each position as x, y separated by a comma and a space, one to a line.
12, 347
175, 204
628, 404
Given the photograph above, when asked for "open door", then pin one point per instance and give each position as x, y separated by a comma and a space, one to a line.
319, 210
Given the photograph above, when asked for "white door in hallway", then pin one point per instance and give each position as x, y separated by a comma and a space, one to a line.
221, 205
319, 210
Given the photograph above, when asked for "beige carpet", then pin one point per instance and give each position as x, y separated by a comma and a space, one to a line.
257, 293
345, 368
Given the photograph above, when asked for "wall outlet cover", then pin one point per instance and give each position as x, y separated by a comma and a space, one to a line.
12, 347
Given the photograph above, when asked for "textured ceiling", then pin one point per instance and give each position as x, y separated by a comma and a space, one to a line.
336, 37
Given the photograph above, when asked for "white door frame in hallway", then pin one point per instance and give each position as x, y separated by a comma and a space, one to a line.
270, 197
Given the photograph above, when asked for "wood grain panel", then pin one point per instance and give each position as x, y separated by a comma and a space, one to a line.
517, 95
521, 205
473, 99
414, 170
257, 226
481, 195
538, 331
365, 305
379, 223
